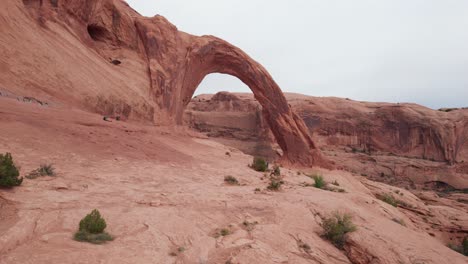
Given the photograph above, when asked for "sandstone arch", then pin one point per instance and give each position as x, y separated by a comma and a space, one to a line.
175, 84
176, 64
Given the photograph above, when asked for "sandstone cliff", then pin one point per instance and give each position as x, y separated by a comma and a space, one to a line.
406, 143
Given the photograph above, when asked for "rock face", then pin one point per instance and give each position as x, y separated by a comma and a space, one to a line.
397, 143
159, 67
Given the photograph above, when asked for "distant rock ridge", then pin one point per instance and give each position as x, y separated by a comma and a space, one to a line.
409, 142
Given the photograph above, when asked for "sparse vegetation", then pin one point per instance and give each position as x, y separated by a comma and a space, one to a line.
257, 190
462, 248
388, 198
275, 184
231, 180
336, 227
319, 181
9, 173
91, 229
43, 170
259, 164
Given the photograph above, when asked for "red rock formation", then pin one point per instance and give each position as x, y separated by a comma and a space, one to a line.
405, 143
175, 63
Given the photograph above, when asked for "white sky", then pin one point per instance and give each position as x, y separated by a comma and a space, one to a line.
373, 50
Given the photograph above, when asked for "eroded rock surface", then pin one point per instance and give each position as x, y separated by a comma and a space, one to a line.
155, 67
401, 144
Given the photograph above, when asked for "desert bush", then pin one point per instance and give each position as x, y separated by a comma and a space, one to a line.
93, 223
91, 229
388, 198
336, 227
259, 164
47, 170
9, 174
43, 170
275, 184
319, 181
335, 182
231, 180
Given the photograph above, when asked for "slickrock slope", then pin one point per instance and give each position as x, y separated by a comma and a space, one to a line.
164, 198
103, 56
403, 144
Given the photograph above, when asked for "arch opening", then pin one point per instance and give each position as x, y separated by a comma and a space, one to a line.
224, 109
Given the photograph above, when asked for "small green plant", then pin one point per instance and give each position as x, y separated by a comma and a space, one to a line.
9, 173
91, 229
275, 184
47, 170
319, 181
259, 164
231, 180
336, 227
388, 198
43, 170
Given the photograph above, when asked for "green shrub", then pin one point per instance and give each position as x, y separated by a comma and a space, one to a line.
336, 227
91, 229
319, 182
275, 184
388, 198
9, 174
43, 170
93, 223
231, 180
259, 164
47, 170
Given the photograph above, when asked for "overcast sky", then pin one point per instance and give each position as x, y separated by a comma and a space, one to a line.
373, 50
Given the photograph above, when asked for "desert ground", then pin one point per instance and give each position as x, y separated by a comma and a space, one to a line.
162, 193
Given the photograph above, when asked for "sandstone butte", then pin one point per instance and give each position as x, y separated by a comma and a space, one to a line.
64, 64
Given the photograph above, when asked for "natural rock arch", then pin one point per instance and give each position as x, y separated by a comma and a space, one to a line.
207, 54
177, 62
